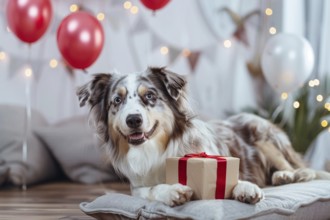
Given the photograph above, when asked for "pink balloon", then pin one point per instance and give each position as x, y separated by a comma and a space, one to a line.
29, 19
80, 39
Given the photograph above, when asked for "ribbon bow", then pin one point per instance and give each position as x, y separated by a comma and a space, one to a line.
203, 155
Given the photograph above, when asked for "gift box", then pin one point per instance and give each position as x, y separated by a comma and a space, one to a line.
210, 176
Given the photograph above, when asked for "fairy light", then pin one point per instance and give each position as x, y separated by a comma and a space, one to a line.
311, 83
329, 129
28, 72
53, 63
272, 30
296, 104
316, 82
324, 123
3, 55
327, 106
186, 53
268, 11
227, 43
284, 95
134, 10
8, 29
164, 50
319, 98
74, 8
100, 16
127, 5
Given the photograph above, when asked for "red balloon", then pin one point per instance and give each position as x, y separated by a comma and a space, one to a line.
29, 19
154, 4
80, 38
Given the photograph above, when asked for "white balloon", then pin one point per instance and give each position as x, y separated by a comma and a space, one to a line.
287, 61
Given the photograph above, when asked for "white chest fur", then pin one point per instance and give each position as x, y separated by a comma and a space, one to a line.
144, 165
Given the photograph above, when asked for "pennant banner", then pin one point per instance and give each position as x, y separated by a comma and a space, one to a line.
193, 59
173, 53
140, 26
156, 42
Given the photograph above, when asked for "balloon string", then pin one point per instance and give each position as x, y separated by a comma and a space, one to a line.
277, 112
27, 116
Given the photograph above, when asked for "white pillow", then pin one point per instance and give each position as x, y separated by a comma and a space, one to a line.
280, 201
40, 164
77, 151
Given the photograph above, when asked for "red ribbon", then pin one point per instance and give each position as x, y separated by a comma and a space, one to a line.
221, 171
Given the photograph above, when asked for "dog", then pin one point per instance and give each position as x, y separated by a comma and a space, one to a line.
145, 117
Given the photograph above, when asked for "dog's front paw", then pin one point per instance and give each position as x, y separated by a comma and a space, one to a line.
173, 195
282, 177
304, 174
247, 192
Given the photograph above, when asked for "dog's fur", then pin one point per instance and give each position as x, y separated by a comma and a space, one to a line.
145, 117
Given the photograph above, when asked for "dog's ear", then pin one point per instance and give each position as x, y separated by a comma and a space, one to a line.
173, 83
95, 94
94, 91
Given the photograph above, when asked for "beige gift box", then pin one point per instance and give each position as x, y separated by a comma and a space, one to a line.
210, 178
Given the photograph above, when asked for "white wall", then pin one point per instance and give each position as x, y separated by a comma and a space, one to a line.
220, 82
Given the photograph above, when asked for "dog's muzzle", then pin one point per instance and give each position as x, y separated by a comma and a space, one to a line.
138, 137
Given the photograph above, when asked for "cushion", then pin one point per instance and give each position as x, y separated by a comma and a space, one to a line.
77, 150
40, 165
281, 201
4, 172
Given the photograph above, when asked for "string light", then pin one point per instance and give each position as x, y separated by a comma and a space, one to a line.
8, 29
324, 123
74, 8
329, 129
314, 82
186, 53
28, 72
311, 83
3, 55
272, 30
319, 98
268, 11
134, 10
327, 106
100, 16
284, 95
127, 5
296, 104
53, 63
227, 43
164, 50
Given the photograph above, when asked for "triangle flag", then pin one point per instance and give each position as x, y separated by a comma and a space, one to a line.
173, 54
193, 59
139, 26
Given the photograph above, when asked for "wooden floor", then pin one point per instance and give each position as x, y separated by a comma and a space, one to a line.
52, 201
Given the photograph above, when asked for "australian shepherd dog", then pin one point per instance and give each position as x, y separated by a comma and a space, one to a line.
144, 118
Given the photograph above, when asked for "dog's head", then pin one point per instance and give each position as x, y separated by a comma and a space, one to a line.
130, 110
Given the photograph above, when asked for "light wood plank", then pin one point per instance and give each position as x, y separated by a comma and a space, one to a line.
53, 200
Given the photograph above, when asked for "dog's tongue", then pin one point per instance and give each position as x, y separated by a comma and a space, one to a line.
136, 136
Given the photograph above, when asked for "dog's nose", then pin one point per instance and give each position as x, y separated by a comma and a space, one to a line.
134, 121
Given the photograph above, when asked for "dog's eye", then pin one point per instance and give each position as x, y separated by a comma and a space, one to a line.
150, 96
117, 100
